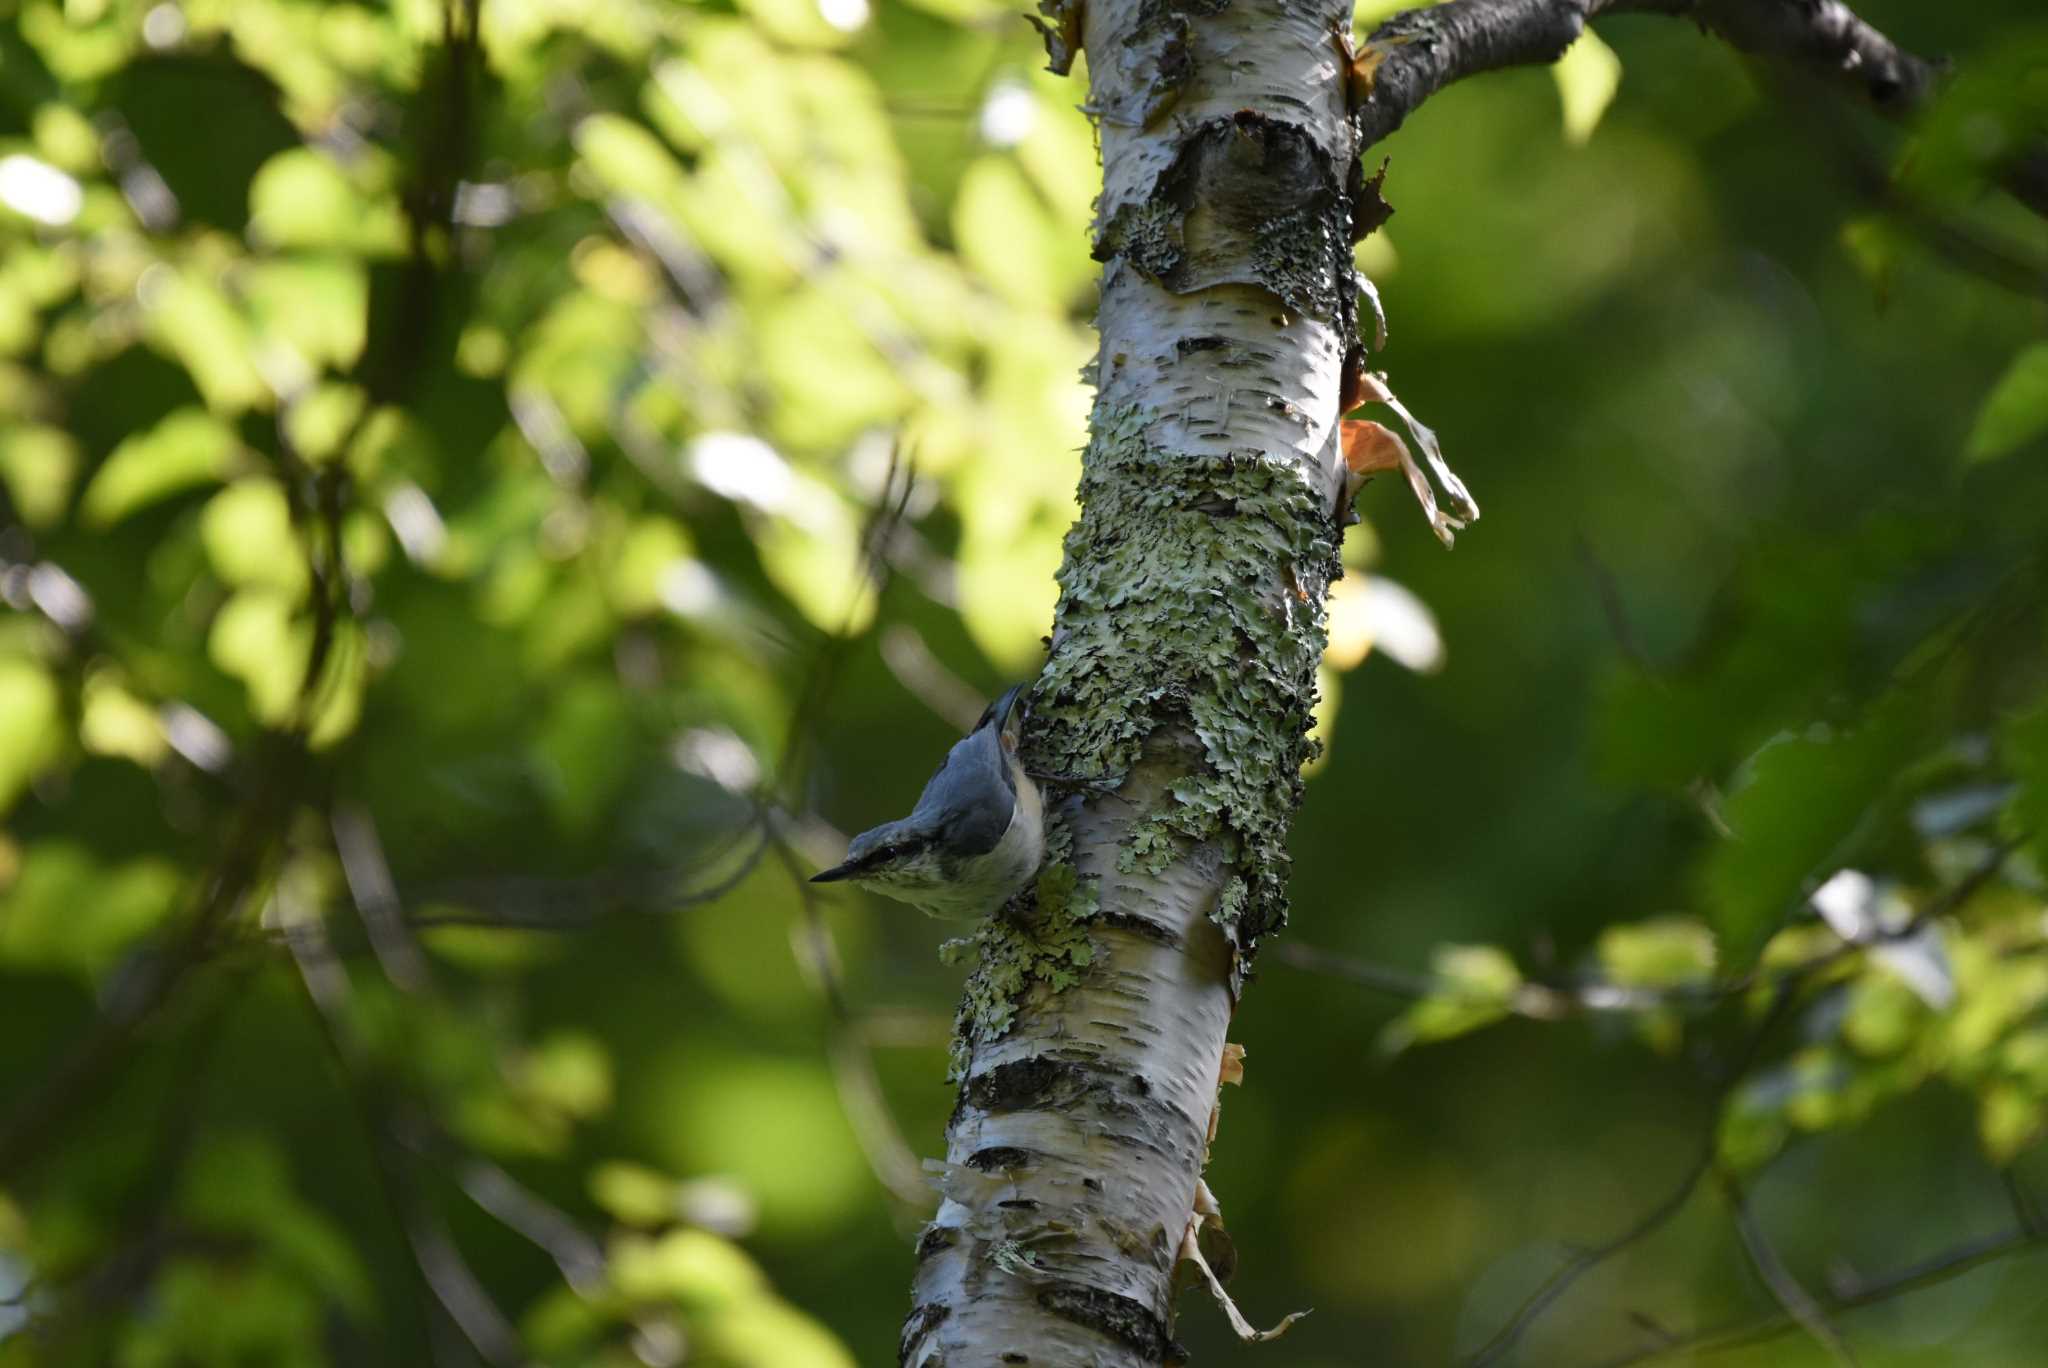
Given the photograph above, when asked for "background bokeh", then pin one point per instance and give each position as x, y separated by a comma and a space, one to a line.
487, 494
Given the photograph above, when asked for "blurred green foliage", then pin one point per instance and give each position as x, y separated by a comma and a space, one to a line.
442, 454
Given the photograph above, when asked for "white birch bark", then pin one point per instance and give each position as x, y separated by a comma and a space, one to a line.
1190, 623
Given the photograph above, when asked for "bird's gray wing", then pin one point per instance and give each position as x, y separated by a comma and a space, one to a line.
971, 798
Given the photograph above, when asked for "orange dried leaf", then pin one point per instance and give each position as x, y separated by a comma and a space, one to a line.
1371, 447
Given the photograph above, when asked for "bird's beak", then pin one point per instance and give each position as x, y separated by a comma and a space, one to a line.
834, 874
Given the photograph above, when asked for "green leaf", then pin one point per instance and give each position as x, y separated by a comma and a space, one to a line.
254, 639
38, 464
31, 724
1793, 812
2016, 411
1587, 76
1476, 986
1884, 1016
2025, 743
569, 1072
635, 1194
627, 158
113, 721
1666, 952
187, 315
302, 198
247, 532
1009, 237
767, 1332
315, 304
2010, 1118
189, 447
240, 1184
692, 1266
68, 910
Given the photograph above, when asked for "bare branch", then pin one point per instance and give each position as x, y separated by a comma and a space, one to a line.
1785, 1289
1418, 52
376, 897
1586, 1260
1653, 1220
566, 905
890, 1158
1940, 1268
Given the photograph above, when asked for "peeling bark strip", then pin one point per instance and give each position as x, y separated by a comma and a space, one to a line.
1190, 623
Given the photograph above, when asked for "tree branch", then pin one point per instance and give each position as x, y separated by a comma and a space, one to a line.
1418, 52
1928, 1272
1785, 1289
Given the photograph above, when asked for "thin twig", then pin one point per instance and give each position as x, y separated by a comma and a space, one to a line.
1555, 1286
1785, 1289
1540, 1001
1586, 1260
1927, 1273
440, 1265
890, 1158
1619, 624
894, 1164
376, 898
576, 904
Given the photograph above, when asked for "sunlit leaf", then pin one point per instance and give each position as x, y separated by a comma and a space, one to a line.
774, 1125
38, 464
70, 910
1007, 235
570, 1072
769, 1333
692, 1266
316, 304
2010, 1119
2015, 413
1792, 811
1664, 952
302, 198
255, 639
193, 320
1587, 76
113, 721
31, 731
248, 535
1475, 986
634, 1193
190, 447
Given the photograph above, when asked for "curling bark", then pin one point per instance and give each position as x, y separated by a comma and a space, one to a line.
1182, 672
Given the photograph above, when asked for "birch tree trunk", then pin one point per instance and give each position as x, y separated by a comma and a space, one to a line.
1182, 671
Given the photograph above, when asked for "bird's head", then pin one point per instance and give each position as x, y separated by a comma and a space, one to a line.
892, 857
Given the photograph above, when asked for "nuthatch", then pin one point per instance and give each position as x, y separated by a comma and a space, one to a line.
976, 836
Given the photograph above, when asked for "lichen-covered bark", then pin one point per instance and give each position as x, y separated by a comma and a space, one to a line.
1182, 674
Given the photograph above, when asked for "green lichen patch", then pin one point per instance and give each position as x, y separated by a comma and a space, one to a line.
1173, 616
1291, 254
1145, 233
1046, 942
